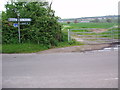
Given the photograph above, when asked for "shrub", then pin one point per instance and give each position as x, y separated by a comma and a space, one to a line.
43, 29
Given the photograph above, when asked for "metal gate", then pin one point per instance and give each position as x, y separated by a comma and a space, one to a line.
93, 35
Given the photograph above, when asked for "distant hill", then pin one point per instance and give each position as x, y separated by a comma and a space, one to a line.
112, 18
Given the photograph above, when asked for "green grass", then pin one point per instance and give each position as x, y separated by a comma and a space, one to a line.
0, 48
67, 44
88, 25
80, 31
110, 32
107, 34
31, 48
22, 48
92, 25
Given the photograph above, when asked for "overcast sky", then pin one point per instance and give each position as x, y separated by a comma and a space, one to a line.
81, 8
84, 8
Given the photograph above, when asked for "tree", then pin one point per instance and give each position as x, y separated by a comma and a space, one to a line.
43, 29
96, 20
109, 20
68, 22
75, 21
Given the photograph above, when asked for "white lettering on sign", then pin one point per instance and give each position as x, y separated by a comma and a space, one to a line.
25, 19
24, 23
12, 19
21, 19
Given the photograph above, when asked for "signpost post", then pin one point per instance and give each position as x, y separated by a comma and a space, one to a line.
18, 26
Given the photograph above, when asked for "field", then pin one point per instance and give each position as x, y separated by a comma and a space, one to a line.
88, 25
102, 29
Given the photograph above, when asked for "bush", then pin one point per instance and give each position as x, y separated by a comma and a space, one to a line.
43, 29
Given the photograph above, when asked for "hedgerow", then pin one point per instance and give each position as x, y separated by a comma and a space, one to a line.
43, 29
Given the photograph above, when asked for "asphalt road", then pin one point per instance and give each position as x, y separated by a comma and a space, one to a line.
61, 70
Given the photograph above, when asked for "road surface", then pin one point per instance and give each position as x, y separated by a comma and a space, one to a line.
61, 70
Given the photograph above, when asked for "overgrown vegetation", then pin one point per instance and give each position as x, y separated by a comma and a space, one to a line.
42, 33
43, 29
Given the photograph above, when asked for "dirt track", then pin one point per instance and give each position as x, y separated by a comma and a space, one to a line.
80, 48
99, 30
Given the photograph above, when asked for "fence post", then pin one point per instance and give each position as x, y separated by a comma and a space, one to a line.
112, 36
68, 35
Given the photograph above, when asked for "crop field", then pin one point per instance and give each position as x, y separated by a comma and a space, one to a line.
107, 33
88, 25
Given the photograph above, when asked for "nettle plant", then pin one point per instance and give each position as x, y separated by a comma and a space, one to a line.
43, 29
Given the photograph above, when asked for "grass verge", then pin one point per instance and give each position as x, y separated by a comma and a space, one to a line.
32, 48
22, 48
0, 48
